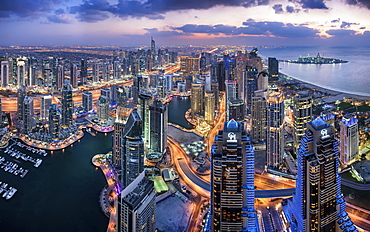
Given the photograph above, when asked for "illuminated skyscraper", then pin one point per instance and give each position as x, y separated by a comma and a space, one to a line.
251, 86
318, 203
21, 73
74, 80
83, 73
158, 119
349, 139
106, 92
4, 73
87, 99
273, 68
136, 206
32, 76
275, 132
106, 72
232, 181
117, 148
96, 72
67, 104
47, 76
28, 112
46, 101
197, 96
103, 108
54, 121
302, 115
116, 70
235, 110
209, 107
145, 99
59, 77
20, 101
258, 110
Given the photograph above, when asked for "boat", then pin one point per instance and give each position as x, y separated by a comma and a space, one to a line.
11, 193
316, 60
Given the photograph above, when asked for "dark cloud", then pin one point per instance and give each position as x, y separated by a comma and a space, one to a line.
94, 10
59, 11
362, 28
347, 25
361, 3
335, 20
341, 32
26, 8
311, 4
278, 8
252, 27
291, 9
60, 18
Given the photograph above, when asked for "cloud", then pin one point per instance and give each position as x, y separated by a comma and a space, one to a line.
60, 18
341, 32
26, 8
251, 27
278, 8
291, 9
95, 10
362, 28
156, 33
347, 25
361, 3
59, 11
335, 20
311, 4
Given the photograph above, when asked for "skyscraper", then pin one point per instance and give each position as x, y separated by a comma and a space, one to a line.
96, 72
209, 107
117, 148
302, 115
54, 121
318, 204
59, 77
83, 73
197, 95
235, 110
103, 108
87, 99
275, 132
232, 180
106, 92
21, 72
251, 86
46, 101
28, 112
4, 73
349, 139
106, 72
136, 206
74, 80
47, 75
67, 104
20, 102
145, 99
273, 68
258, 110
158, 119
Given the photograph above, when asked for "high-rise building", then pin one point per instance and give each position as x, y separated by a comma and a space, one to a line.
117, 148
273, 68
136, 206
1, 112
349, 139
232, 181
28, 112
192, 65
4, 73
96, 72
103, 108
117, 70
74, 80
32, 76
258, 110
47, 75
145, 99
106, 92
232, 89
158, 119
318, 203
87, 100
133, 149
302, 114
20, 102
46, 101
105, 72
275, 132
162, 86
235, 110
197, 96
251, 86
67, 104
59, 77
21, 72
54, 121
83, 73
209, 108
262, 83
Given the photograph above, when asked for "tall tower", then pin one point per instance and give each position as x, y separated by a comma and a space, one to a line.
74, 80
54, 121
20, 101
273, 68
83, 73
46, 101
209, 108
67, 104
96, 72
235, 110
318, 204
349, 139
258, 110
302, 115
32, 75
117, 148
158, 119
103, 108
47, 75
275, 133
59, 77
132, 160
232, 180
106, 72
197, 95
4, 73
28, 120
87, 99
251, 86
136, 206
145, 99
21, 73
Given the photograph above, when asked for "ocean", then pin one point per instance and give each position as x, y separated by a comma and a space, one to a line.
352, 77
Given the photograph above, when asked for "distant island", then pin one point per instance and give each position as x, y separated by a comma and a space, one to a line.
315, 60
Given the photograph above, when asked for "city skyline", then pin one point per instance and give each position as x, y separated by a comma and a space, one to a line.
239, 22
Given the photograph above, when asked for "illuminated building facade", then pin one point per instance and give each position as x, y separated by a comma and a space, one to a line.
251, 86
103, 108
83, 73
302, 115
145, 99
197, 99
74, 79
46, 101
258, 110
209, 107
87, 99
95, 72
232, 180
28, 121
67, 104
349, 139
54, 121
275, 132
59, 77
318, 203
136, 206
235, 110
4, 73
273, 68
21, 72
158, 120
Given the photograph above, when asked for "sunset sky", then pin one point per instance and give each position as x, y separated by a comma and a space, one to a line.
178, 22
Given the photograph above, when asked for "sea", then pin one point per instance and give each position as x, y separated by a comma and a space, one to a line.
352, 77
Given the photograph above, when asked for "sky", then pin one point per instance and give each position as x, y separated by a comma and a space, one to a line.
185, 22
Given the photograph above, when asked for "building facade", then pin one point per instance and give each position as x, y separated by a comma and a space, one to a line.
302, 114
158, 120
349, 139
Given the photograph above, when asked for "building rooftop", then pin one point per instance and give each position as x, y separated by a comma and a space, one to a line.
135, 192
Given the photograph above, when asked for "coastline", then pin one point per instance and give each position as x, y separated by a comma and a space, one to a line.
334, 92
